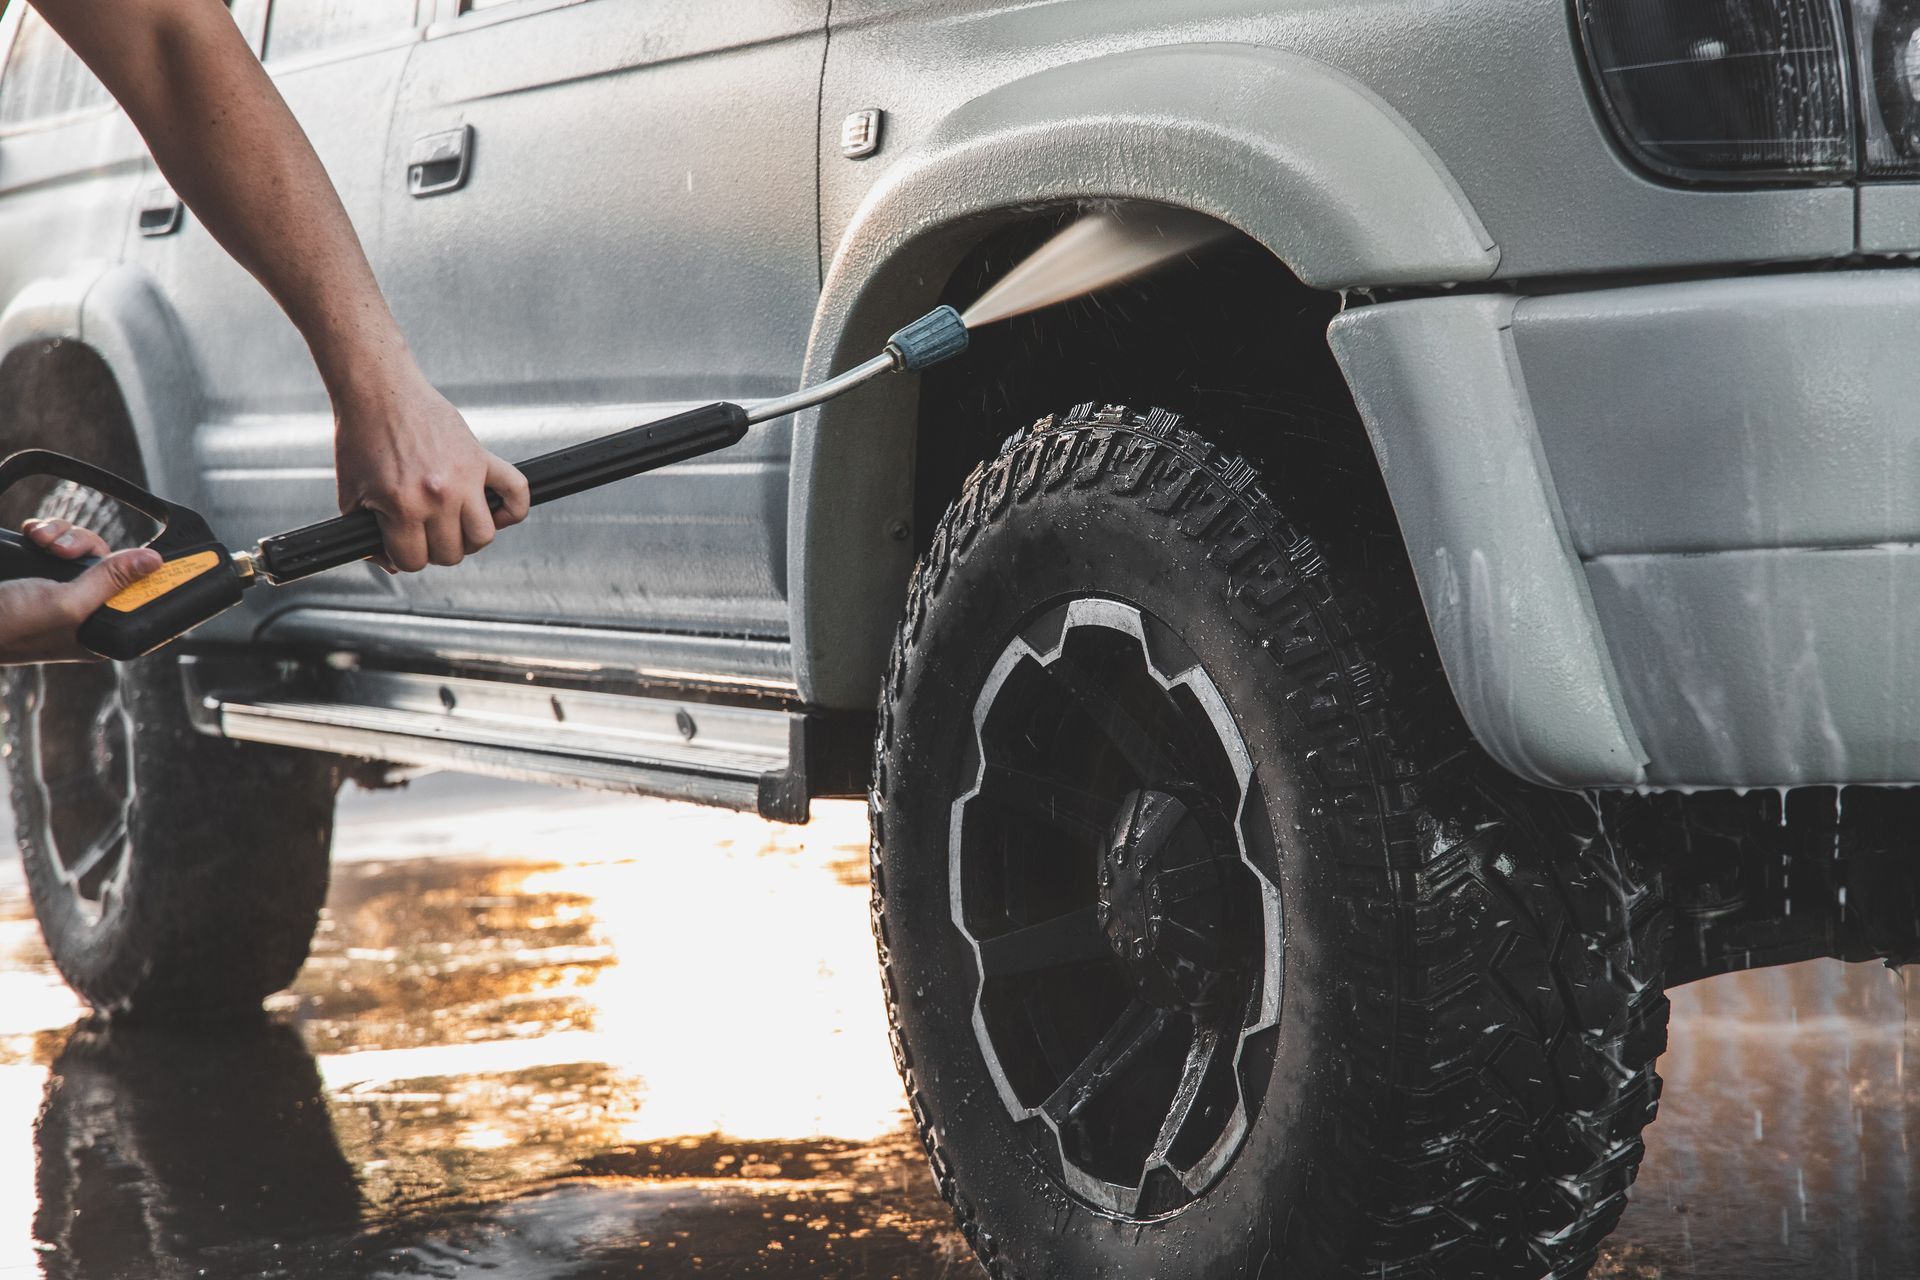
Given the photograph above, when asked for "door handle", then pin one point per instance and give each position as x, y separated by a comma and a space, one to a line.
160, 212
439, 162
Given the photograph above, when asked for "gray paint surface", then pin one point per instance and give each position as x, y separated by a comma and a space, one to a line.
573, 287
254, 469
1792, 665
1494, 87
251, 361
1890, 218
1439, 386
1739, 462
1766, 412
1736, 462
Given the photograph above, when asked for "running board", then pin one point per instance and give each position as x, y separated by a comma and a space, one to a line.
736, 757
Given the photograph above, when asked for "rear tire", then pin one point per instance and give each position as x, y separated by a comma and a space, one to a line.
1443, 986
176, 876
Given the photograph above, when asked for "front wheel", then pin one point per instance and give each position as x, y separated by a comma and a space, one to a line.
175, 876
1212, 947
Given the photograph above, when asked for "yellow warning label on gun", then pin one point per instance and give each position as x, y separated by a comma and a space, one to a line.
172, 574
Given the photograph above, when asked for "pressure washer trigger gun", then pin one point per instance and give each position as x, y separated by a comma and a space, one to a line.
199, 578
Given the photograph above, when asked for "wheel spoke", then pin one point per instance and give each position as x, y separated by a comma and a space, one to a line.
66, 784
1049, 800
1177, 884
1046, 1032
1138, 746
1199, 948
1200, 1055
1073, 938
97, 852
1138, 1025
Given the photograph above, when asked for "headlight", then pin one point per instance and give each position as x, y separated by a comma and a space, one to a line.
1888, 35
1760, 90
1718, 90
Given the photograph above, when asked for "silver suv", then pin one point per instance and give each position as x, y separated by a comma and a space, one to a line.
1326, 691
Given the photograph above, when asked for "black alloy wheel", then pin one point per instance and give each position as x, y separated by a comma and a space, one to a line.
1122, 980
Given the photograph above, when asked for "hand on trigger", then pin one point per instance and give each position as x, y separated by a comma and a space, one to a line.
38, 616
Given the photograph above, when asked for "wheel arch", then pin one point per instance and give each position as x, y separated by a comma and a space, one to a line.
93, 362
1291, 154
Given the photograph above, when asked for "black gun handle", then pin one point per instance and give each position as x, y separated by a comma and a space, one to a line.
20, 558
300, 553
194, 584
196, 579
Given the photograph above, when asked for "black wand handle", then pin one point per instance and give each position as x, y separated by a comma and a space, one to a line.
20, 558
300, 553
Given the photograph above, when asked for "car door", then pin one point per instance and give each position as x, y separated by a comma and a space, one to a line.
265, 451
600, 211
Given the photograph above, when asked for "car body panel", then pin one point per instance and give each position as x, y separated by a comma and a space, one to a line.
67, 184
556, 296
1795, 665
1697, 496
1495, 88
120, 314
1739, 460
1890, 221
1440, 386
1717, 415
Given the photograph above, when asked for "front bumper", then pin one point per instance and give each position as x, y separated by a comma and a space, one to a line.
1666, 535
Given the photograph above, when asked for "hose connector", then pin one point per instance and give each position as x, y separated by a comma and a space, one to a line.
938, 335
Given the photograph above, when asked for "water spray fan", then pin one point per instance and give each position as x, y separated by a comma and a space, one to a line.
200, 578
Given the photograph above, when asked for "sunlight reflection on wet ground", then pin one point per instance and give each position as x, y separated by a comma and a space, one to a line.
542, 1034
548, 1034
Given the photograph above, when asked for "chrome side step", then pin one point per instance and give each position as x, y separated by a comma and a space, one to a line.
736, 757
404, 639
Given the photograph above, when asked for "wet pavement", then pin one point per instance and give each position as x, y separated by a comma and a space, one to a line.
548, 1034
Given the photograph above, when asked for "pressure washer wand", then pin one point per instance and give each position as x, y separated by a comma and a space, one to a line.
300, 553
199, 578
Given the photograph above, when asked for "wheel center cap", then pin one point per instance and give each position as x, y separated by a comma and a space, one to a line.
1164, 905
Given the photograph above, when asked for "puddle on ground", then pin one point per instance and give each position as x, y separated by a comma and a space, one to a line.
1788, 1143
549, 1035
541, 1034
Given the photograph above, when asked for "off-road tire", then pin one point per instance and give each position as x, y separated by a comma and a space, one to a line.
1473, 998
226, 857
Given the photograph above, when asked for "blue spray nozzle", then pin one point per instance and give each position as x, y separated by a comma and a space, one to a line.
938, 335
